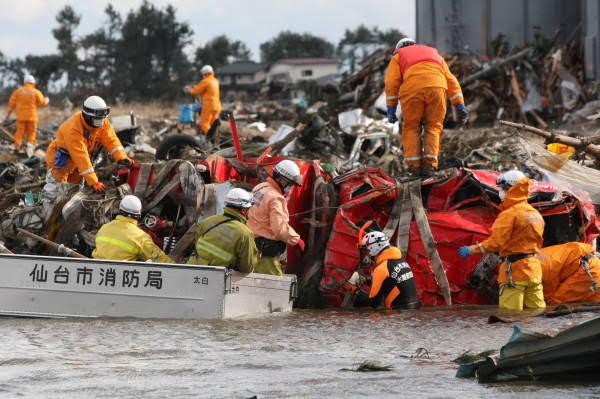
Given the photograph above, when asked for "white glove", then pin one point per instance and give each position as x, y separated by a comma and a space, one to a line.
354, 279
47, 100
186, 88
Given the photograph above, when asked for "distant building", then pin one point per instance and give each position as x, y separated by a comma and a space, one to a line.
294, 70
459, 26
242, 76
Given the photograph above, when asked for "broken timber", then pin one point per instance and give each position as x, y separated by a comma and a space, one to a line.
582, 145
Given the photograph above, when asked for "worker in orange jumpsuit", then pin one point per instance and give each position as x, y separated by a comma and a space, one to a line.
517, 235
392, 280
208, 91
269, 218
25, 101
419, 77
570, 273
69, 154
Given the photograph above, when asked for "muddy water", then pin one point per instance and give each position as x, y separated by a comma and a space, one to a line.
295, 355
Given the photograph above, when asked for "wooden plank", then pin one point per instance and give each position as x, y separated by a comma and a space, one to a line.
427, 238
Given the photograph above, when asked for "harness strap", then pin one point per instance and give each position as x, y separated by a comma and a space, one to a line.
204, 246
583, 262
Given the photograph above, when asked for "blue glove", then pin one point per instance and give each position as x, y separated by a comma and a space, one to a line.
463, 114
61, 157
391, 114
464, 251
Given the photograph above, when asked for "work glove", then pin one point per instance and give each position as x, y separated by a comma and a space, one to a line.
463, 114
98, 187
47, 99
125, 163
391, 114
464, 251
354, 279
301, 245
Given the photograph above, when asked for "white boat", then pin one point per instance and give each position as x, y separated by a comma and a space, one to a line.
41, 286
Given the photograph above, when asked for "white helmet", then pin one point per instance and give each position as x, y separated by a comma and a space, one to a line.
289, 171
238, 198
29, 79
508, 179
375, 242
131, 206
94, 111
207, 69
407, 41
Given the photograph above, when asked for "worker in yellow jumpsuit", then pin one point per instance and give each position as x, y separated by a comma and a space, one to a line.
225, 240
122, 239
269, 219
517, 235
570, 273
25, 101
69, 154
208, 91
419, 78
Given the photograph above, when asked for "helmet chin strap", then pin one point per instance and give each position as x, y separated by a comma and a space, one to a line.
278, 179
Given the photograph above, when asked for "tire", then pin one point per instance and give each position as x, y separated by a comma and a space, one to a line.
171, 146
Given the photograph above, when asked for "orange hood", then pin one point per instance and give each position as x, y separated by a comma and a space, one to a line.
517, 193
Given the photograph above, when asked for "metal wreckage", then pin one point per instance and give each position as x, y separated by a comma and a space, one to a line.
428, 219
358, 177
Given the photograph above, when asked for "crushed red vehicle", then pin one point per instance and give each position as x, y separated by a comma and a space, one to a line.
460, 209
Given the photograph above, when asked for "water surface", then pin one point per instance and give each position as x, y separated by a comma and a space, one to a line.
278, 356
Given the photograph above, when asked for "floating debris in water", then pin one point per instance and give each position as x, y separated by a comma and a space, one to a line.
469, 357
368, 366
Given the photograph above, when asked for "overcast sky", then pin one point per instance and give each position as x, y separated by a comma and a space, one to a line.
25, 25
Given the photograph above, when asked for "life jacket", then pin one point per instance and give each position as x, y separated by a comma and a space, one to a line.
411, 55
401, 276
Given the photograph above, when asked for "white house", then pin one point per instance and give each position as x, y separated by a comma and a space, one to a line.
294, 70
242, 76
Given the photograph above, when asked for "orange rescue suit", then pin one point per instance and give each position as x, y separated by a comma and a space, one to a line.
518, 229
269, 217
80, 141
25, 101
420, 78
392, 282
208, 90
564, 278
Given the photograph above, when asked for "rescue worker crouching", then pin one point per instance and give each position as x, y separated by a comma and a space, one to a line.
25, 101
517, 235
122, 239
570, 273
209, 92
225, 240
392, 280
69, 157
420, 79
269, 218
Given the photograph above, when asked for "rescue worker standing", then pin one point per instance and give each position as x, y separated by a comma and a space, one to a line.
517, 235
69, 154
269, 218
225, 240
122, 239
392, 280
208, 91
419, 77
25, 101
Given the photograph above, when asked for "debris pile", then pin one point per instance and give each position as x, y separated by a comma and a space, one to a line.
536, 84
